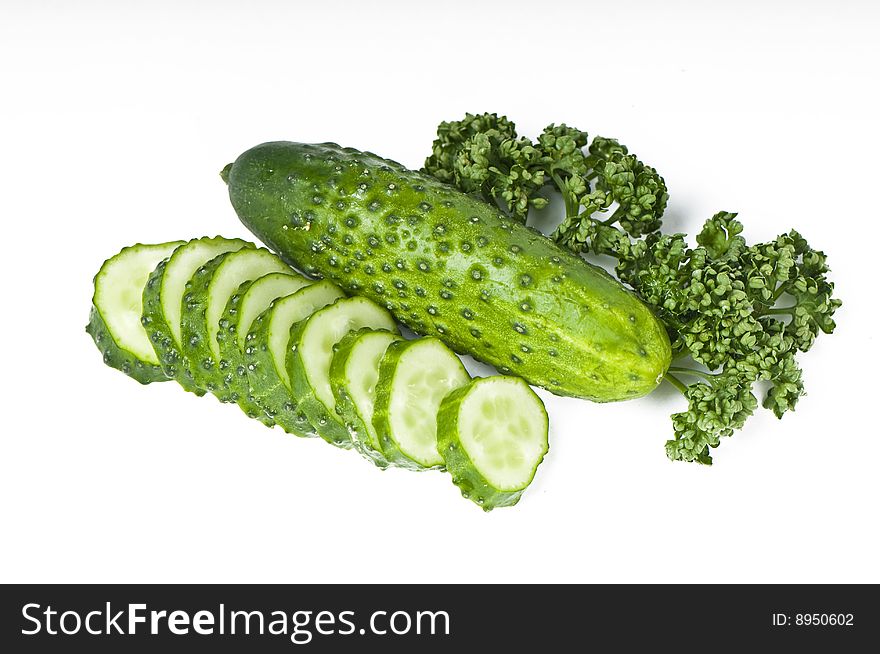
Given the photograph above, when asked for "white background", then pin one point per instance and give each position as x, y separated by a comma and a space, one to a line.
114, 122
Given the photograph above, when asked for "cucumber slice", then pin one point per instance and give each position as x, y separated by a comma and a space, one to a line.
265, 353
248, 302
163, 299
115, 318
310, 351
354, 372
208, 292
414, 376
493, 436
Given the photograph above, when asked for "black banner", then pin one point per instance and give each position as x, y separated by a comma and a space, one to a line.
334, 618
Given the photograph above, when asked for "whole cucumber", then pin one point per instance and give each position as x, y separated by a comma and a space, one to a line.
451, 266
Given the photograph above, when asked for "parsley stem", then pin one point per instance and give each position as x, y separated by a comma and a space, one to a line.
676, 382
692, 371
617, 215
571, 205
779, 291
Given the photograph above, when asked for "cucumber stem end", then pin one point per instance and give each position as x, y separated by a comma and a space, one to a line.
224, 174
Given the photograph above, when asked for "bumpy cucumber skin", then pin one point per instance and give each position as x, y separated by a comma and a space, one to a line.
204, 369
381, 411
174, 364
345, 406
328, 424
119, 358
451, 266
232, 358
266, 387
329, 427
209, 373
465, 475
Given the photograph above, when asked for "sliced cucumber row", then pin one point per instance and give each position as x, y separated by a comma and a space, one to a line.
117, 305
222, 316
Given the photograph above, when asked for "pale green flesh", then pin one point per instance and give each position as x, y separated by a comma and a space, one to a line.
292, 309
326, 329
424, 375
119, 296
361, 374
261, 294
503, 428
236, 269
181, 267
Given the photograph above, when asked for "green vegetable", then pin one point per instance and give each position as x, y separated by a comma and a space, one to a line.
290, 352
492, 433
163, 300
265, 354
115, 317
248, 302
414, 376
208, 293
448, 265
310, 350
741, 311
354, 372
482, 155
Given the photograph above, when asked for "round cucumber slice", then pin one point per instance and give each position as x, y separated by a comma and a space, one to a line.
248, 302
493, 436
163, 299
265, 352
207, 295
414, 376
354, 372
310, 351
117, 304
